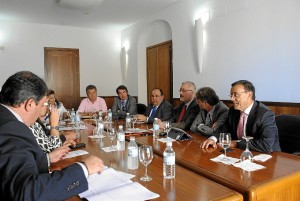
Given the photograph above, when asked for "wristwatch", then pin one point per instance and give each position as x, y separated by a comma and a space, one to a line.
54, 127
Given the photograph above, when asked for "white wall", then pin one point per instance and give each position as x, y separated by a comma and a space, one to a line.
23, 49
258, 40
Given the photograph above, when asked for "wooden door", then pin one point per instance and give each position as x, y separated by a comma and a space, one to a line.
62, 74
159, 69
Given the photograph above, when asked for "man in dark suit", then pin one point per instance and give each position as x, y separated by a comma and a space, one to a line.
24, 166
187, 111
213, 112
159, 108
248, 117
123, 104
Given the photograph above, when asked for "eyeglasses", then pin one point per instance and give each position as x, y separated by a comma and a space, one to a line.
156, 96
236, 94
183, 91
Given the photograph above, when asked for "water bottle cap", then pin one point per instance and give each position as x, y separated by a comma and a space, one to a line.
169, 144
127, 113
132, 138
120, 126
155, 118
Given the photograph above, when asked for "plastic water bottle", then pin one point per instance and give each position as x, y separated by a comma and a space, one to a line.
77, 119
133, 159
109, 119
100, 126
121, 139
155, 128
169, 162
73, 115
100, 114
128, 121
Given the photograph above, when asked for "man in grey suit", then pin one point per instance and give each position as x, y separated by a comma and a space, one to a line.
159, 108
213, 112
123, 104
24, 166
248, 117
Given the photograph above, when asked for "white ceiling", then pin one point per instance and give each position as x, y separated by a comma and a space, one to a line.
111, 14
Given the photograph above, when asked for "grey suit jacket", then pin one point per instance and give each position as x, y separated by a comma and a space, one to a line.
130, 107
260, 125
188, 117
218, 118
164, 112
24, 166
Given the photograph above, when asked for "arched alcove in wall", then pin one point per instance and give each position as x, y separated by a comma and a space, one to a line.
155, 32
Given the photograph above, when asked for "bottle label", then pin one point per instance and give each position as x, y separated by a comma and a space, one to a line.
121, 137
170, 160
156, 127
132, 152
101, 125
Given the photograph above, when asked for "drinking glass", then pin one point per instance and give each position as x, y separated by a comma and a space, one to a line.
112, 134
167, 128
133, 120
225, 140
145, 156
247, 156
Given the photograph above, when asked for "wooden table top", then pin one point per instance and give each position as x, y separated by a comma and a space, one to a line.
281, 169
187, 185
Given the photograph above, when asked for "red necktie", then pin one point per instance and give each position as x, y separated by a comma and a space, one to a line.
240, 127
181, 114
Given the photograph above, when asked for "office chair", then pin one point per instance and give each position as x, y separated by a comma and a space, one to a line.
141, 108
289, 133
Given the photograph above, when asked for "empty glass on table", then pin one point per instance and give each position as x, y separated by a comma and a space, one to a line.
145, 157
225, 141
247, 156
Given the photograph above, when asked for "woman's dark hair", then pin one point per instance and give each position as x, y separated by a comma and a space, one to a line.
22, 86
51, 92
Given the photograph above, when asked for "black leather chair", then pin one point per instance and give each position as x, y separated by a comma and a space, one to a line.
289, 133
141, 108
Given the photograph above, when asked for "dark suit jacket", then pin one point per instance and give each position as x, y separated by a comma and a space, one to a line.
164, 112
218, 118
24, 166
130, 107
189, 115
260, 124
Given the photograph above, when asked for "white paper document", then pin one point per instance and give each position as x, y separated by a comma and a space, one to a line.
110, 185
72, 128
262, 157
248, 166
228, 161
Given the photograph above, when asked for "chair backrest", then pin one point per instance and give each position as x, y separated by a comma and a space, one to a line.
289, 132
141, 108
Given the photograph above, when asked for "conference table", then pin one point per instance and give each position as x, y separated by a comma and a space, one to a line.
279, 180
187, 184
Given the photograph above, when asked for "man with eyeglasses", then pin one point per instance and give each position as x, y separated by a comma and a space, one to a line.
248, 117
24, 166
186, 112
213, 112
159, 108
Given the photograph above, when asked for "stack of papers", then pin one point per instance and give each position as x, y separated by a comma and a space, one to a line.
68, 128
136, 130
110, 185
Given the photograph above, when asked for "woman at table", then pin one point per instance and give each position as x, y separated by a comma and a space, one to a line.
47, 139
54, 103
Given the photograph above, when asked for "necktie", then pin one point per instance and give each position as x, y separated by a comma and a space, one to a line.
208, 120
123, 105
181, 114
153, 112
240, 127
